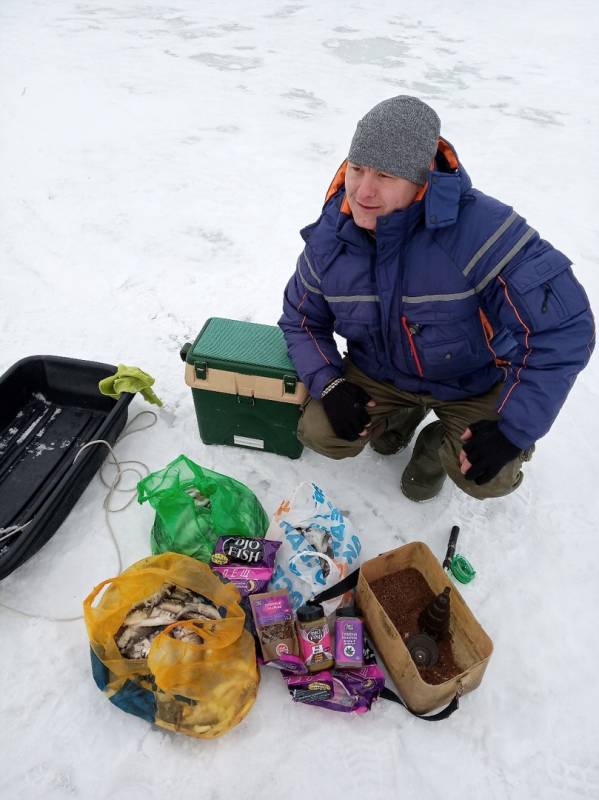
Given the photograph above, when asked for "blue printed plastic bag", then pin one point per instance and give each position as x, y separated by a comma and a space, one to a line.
319, 546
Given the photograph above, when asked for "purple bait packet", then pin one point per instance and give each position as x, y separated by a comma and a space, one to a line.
311, 688
287, 663
352, 690
245, 561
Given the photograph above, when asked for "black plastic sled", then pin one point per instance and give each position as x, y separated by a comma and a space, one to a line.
49, 407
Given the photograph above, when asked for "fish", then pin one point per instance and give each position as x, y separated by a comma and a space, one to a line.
208, 611
133, 643
322, 542
200, 500
140, 648
185, 635
138, 620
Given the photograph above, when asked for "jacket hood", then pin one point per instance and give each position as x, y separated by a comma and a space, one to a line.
447, 182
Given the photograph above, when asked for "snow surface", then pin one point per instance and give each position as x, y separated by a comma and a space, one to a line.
157, 161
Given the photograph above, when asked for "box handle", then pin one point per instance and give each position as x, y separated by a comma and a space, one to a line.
389, 694
184, 351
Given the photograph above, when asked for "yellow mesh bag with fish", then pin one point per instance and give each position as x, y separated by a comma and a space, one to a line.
168, 644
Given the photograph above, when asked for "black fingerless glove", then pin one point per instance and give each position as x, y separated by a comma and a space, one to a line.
488, 451
344, 404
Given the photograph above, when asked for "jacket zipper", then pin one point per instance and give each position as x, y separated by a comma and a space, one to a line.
545, 306
410, 331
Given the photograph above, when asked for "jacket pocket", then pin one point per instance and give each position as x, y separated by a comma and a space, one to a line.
439, 352
549, 299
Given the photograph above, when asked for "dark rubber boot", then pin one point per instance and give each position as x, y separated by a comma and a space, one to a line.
424, 476
399, 431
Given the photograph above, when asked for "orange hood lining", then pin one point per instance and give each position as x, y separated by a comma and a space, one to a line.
339, 180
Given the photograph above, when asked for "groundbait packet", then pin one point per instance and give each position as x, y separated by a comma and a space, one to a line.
338, 690
273, 617
355, 690
247, 562
288, 664
310, 688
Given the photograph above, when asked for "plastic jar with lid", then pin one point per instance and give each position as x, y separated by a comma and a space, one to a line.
314, 637
349, 639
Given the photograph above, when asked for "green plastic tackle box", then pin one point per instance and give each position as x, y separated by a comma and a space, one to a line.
245, 389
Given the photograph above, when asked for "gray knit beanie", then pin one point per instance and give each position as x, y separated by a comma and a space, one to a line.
398, 136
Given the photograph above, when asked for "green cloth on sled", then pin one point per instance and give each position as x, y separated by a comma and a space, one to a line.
129, 379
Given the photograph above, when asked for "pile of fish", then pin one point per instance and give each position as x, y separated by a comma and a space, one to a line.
168, 605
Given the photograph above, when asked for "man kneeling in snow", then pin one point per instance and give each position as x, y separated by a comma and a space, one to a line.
449, 302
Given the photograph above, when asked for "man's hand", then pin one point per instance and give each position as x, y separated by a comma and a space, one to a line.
345, 405
486, 450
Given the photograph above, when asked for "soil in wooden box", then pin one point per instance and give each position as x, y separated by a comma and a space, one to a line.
403, 595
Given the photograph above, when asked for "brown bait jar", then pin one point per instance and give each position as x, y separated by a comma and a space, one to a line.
314, 637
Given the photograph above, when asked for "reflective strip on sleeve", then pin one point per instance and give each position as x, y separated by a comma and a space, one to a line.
308, 286
507, 257
310, 267
489, 243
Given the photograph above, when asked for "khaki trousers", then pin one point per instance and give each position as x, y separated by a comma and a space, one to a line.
403, 411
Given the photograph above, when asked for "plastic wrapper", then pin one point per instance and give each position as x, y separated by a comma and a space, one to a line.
288, 664
311, 688
354, 690
247, 562
273, 618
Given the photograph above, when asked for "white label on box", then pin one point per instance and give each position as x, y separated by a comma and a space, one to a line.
246, 441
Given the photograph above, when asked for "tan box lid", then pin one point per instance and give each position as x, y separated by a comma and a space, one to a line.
243, 358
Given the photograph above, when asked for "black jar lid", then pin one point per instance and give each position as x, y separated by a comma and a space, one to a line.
310, 612
348, 611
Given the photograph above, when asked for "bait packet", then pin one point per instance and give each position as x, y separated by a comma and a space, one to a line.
248, 563
345, 691
273, 617
311, 688
287, 664
355, 690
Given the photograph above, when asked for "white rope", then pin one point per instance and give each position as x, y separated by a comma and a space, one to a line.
112, 486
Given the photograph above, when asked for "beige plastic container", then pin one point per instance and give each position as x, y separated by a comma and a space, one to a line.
471, 646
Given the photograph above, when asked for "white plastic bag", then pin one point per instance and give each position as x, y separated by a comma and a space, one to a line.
319, 546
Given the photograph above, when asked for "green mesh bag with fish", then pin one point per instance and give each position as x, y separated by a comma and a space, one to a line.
194, 506
168, 644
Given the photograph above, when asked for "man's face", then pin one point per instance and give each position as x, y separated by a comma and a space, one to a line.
373, 194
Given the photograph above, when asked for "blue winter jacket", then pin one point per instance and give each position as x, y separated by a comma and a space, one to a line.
454, 294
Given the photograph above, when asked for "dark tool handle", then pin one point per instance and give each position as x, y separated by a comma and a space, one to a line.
451, 545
